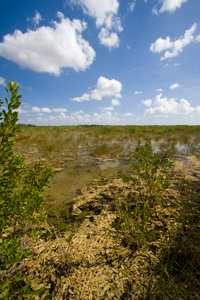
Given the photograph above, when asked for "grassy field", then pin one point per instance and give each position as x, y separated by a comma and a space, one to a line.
84, 252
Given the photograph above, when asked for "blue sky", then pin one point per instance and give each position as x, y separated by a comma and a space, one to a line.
103, 61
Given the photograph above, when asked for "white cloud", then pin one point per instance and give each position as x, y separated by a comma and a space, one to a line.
115, 102
158, 90
129, 114
104, 88
62, 115
168, 6
171, 48
147, 102
108, 113
85, 97
108, 108
131, 6
167, 107
48, 110
174, 86
198, 38
138, 92
155, 11
79, 117
45, 110
105, 12
171, 5
37, 18
49, 49
36, 109
2, 81
108, 39
61, 110
21, 111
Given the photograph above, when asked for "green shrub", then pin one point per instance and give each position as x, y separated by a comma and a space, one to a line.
21, 200
150, 178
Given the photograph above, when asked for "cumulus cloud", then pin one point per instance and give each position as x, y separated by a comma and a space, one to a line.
167, 107
48, 110
174, 86
104, 88
108, 39
105, 12
49, 49
158, 90
2, 81
21, 111
36, 109
168, 6
79, 117
129, 114
147, 102
173, 48
85, 97
115, 102
171, 5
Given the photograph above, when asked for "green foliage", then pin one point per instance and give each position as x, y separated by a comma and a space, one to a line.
21, 197
150, 178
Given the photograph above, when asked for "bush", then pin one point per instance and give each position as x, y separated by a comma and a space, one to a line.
21, 200
150, 178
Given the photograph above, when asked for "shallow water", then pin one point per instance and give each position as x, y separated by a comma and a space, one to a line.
67, 183
77, 164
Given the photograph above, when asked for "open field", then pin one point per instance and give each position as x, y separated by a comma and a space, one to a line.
104, 262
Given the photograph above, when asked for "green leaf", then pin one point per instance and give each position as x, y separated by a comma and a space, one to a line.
39, 292
14, 85
48, 297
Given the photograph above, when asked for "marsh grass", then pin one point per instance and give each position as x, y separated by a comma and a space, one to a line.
58, 139
177, 274
178, 271
111, 150
149, 178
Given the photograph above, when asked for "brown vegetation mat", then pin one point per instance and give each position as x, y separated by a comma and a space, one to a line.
105, 265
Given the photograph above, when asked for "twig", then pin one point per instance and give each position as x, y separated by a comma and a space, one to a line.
59, 244
12, 269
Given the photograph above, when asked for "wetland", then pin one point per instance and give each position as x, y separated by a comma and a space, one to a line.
103, 262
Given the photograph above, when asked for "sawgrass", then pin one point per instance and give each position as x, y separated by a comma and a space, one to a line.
177, 274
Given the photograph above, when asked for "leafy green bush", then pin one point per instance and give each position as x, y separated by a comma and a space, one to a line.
21, 200
150, 178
